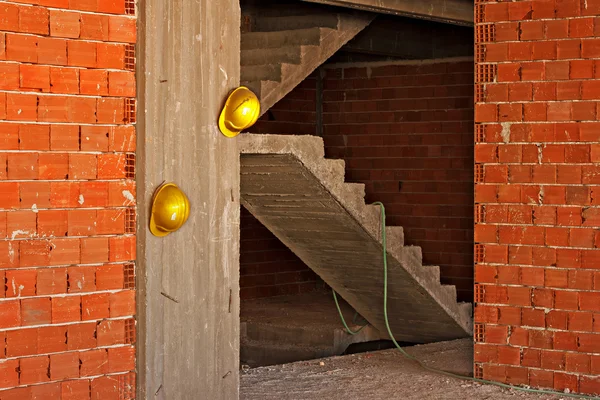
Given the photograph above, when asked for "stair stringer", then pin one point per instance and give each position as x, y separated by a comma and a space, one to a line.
420, 308
270, 92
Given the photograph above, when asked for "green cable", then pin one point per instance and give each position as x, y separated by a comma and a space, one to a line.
435, 370
350, 331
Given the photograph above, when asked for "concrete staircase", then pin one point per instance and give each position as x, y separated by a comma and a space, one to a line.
288, 43
300, 196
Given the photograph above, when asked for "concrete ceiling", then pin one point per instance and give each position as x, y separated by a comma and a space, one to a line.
459, 12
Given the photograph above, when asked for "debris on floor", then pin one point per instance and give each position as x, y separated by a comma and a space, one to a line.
377, 376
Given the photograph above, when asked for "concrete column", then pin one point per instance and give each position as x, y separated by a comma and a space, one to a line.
188, 304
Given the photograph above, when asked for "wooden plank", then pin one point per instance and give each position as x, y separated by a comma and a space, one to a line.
458, 12
188, 60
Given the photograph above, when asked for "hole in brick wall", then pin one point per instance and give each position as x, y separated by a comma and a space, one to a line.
479, 253
479, 13
485, 33
478, 332
480, 53
479, 293
130, 111
485, 73
479, 93
479, 173
130, 331
130, 7
130, 57
127, 386
130, 166
479, 133
129, 276
130, 220
479, 213
478, 371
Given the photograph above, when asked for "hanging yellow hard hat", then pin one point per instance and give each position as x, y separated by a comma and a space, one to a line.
240, 112
170, 209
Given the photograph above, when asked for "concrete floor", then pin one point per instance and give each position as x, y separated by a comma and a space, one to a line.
285, 329
378, 375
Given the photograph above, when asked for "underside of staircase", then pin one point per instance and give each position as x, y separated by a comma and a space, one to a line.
287, 44
302, 198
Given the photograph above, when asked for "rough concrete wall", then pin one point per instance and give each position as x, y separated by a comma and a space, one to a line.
67, 198
537, 319
189, 280
405, 131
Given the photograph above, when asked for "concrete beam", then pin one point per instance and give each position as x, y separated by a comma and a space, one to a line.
409, 39
188, 297
459, 12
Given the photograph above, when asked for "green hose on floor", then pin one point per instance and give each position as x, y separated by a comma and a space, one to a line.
405, 354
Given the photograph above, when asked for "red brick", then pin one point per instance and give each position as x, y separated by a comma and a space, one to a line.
94, 82
52, 51
122, 29
10, 314
93, 362
95, 306
82, 166
34, 370
105, 388
81, 336
121, 359
21, 283
9, 17
111, 332
52, 339
111, 55
53, 109
64, 366
9, 375
21, 107
110, 110
81, 54
75, 390
64, 24
94, 27
122, 304
64, 137
82, 279
64, 80
66, 309
22, 48
94, 250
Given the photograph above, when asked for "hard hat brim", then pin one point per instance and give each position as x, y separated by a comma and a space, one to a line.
223, 127
154, 229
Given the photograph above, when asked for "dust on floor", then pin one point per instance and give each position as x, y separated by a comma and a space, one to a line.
378, 375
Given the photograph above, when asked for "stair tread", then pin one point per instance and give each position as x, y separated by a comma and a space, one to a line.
416, 293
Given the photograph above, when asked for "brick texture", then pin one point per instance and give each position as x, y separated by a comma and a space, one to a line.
67, 199
537, 275
405, 131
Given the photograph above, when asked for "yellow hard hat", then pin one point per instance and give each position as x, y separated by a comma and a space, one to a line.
240, 112
170, 209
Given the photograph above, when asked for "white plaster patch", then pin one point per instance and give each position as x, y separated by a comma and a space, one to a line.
81, 199
127, 194
34, 208
505, 131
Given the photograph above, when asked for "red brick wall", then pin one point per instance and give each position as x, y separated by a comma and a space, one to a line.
67, 199
405, 130
537, 229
